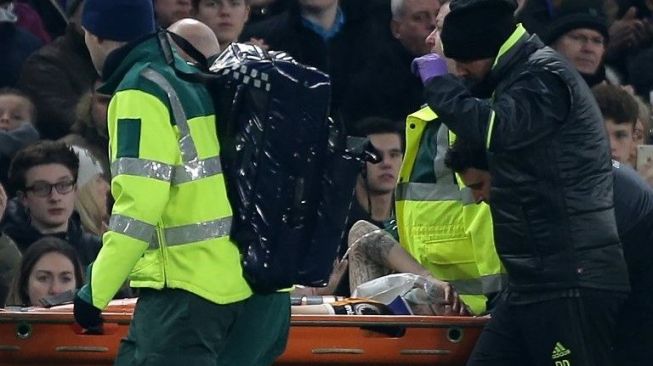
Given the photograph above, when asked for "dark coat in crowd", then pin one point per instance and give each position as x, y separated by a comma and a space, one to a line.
633, 208
342, 57
16, 44
9, 263
386, 87
56, 77
16, 224
53, 19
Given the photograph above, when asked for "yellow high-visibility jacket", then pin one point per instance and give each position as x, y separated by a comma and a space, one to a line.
171, 218
438, 221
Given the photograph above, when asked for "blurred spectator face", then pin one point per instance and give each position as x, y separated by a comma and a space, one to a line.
414, 23
225, 17
583, 47
97, 52
52, 274
99, 106
479, 181
621, 139
638, 139
15, 110
49, 196
433, 41
382, 177
170, 11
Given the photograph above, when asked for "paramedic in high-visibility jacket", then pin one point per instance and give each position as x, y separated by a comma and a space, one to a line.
439, 222
169, 228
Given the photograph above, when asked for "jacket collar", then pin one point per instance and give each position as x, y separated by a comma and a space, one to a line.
513, 50
145, 49
120, 61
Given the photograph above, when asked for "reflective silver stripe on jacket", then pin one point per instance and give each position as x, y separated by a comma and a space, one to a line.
131, 227
428, 192
192, 168
467, 197
479, 286
141, 168
187, 234
191, 171
446, 188
188, 150
197, 169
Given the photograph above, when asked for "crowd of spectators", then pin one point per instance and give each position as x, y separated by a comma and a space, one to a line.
48, 93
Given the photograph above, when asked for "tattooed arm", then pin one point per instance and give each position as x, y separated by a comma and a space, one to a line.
374, 253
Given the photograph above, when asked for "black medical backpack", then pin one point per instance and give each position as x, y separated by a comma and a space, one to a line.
290, 170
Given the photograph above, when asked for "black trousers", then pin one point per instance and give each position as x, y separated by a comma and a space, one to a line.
570, 331
634, 343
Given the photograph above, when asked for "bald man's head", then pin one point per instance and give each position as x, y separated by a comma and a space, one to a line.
198, 34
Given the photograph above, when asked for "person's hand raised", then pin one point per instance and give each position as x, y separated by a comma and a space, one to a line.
429, 66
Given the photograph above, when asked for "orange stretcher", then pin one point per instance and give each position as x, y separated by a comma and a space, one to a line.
50, 337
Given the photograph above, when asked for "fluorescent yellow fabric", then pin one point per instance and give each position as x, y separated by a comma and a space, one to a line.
439, 225
209, 267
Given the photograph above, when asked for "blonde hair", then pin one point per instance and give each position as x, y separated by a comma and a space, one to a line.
91, 210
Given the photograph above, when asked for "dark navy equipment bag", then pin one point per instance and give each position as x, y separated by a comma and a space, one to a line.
290, 170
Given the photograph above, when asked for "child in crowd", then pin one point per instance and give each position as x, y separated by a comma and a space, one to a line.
17, 113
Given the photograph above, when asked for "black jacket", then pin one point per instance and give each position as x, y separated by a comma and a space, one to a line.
385, 87
342, 57
16, 44
16, 225
56, 77
633, 209
552, 204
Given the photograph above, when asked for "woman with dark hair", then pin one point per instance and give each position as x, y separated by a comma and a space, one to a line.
49, 267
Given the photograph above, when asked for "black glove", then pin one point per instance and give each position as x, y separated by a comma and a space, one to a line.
87, 315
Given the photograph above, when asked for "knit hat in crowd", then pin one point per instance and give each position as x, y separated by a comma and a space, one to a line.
476, 29
573, 15
118, 20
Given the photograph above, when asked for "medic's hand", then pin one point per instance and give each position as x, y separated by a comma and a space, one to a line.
87, 315
429, 66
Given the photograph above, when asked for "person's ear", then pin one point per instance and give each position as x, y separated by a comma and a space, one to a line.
394, 28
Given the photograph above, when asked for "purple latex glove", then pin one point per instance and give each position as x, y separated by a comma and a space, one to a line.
429, 66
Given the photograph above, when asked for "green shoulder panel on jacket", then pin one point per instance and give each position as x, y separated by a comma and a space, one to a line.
196, 100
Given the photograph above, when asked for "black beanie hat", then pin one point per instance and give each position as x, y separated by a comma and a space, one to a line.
573, 15
118, 20
476, 29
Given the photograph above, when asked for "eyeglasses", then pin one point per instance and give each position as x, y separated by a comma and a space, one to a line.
44, 189
583, 39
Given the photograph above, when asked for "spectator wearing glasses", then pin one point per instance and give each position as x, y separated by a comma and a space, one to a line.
579, 32
44, 176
